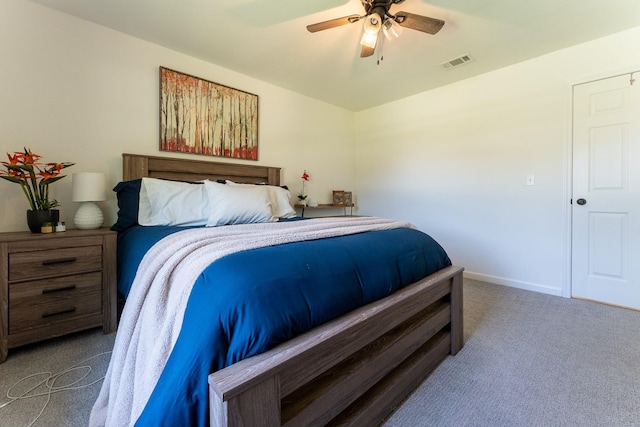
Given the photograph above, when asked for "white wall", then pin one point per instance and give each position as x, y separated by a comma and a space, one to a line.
77, 92
454, 161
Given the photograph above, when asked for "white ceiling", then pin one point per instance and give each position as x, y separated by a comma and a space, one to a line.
268, 40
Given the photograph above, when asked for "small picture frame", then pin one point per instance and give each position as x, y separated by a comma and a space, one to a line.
338, 198
348, 198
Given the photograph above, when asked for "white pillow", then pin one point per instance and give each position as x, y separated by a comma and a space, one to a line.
165, 202
280, 204
231, 204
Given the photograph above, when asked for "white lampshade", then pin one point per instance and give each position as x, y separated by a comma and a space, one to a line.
88, 187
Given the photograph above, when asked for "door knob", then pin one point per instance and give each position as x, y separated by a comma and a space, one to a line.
581, 202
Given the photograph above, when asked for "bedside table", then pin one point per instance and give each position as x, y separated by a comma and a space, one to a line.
326, 206
55, 284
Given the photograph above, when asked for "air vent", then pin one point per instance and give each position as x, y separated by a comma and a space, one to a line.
456, 62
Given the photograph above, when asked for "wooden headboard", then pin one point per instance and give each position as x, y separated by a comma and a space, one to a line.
136, 166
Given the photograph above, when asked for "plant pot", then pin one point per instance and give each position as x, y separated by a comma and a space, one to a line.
35, 219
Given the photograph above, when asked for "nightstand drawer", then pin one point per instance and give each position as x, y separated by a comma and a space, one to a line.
35, 264
45, 302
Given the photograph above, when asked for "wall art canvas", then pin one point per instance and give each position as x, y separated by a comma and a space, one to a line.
201, 117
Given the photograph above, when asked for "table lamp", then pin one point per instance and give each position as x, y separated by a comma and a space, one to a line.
88, 188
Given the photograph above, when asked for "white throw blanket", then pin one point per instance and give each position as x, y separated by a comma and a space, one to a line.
152, 317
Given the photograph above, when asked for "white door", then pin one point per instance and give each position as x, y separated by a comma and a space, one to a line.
606, 192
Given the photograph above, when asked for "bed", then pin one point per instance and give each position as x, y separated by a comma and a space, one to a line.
352, 368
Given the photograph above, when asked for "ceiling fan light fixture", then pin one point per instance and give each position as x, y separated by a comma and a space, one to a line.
391, 29
372, 23
369, 40
371, 29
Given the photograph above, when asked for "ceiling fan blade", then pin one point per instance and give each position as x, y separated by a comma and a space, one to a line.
367, 51
419, 22
332, 23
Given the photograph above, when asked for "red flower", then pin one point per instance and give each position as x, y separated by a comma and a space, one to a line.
13, 160
51, 171
305, 177
29, 157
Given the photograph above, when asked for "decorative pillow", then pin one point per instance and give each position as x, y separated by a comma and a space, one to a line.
279, 196
128, 195
164, 202
238, 204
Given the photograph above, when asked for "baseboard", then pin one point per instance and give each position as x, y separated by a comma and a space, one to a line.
535, 287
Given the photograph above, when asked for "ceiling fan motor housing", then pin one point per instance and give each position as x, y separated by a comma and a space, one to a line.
381, 7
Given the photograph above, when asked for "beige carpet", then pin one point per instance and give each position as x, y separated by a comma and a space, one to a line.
533, 360
34, 364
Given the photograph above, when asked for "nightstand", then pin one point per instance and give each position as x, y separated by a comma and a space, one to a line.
55, 284
329, 206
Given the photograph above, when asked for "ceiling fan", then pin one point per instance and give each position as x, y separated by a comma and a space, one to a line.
377, 17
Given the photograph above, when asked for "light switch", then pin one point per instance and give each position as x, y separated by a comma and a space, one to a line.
531, 179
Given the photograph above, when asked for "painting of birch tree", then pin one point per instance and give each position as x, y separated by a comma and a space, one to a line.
201, 117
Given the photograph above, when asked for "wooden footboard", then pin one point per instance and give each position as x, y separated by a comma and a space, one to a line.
354, 370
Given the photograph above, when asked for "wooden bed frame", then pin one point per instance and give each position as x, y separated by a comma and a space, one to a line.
354, 370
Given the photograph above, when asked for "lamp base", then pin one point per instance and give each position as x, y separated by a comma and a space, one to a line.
89, 216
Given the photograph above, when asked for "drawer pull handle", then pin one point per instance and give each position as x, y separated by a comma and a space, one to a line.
57, 313
58, 260
64, 288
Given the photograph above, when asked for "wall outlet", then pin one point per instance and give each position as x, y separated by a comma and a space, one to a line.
531, 179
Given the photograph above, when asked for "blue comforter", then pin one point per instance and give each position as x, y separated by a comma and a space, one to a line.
266, 296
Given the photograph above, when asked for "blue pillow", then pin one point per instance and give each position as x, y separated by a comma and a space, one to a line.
128, 194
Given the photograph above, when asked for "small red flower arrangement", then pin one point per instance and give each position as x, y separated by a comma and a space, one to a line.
23, 168
302, 195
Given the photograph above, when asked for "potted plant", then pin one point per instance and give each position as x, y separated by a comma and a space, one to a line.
302, 195
34, 178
